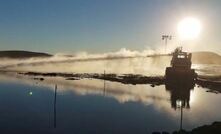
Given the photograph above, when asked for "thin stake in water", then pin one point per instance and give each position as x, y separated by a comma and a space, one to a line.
104, 84
55, 98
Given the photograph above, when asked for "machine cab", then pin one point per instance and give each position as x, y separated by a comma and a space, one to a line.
180, 66
181, 60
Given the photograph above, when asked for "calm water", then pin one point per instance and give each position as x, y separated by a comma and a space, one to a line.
95, 106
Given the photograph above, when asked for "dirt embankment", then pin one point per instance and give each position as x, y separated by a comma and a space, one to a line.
127, 79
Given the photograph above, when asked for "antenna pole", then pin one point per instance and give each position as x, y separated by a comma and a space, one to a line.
166, 38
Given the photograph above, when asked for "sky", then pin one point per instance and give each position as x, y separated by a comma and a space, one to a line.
99, 26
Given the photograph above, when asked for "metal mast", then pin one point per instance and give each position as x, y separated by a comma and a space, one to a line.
166, 37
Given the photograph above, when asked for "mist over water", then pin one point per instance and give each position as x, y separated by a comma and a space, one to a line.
123, 61
120, 62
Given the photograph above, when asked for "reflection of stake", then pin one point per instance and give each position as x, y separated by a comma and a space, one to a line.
55, 97
181, 118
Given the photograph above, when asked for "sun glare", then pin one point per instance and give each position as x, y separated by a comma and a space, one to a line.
189, 28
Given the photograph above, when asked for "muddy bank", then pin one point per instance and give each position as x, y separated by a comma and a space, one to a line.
213, 85
127, 79
214, 128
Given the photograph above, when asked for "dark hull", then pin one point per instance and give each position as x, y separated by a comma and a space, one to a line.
180, 75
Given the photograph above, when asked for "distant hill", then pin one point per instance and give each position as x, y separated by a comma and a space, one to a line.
22, 54
206, 58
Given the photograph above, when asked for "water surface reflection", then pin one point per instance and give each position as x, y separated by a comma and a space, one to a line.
97, 106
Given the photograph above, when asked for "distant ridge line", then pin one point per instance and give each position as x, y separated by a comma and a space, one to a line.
22, 54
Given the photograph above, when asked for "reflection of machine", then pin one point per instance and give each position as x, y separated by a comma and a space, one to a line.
180, 80
180, 93
180, 66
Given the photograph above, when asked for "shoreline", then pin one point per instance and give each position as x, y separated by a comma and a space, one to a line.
133, 79
126, 79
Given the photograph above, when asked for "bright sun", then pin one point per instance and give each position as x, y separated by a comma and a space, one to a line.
189, 28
